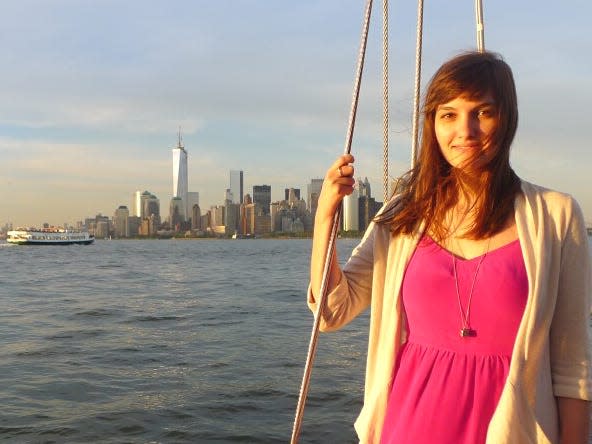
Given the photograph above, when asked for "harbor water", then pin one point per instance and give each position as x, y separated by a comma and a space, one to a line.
169, 341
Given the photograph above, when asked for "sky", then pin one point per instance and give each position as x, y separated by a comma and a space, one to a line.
93, 93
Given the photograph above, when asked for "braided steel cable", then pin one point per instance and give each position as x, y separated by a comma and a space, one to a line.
480, 26
312, 347
385, 103
418, 45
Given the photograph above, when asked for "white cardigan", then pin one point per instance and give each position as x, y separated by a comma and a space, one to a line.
552, 352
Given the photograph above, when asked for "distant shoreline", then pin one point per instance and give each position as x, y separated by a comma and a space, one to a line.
355, 235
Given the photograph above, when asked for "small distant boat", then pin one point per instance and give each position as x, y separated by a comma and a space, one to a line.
242, 236
48, 236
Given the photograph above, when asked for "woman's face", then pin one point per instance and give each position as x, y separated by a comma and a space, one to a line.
464, 128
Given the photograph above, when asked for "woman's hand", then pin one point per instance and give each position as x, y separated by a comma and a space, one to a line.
338, 183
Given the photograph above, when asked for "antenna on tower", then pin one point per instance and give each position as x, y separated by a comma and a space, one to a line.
180, 143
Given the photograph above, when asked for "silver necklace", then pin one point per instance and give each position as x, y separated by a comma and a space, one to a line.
465, 315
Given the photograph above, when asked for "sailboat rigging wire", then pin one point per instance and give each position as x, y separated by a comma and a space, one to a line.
385, 101
480, 26
322, 301
418, 45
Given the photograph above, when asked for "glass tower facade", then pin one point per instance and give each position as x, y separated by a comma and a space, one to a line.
180, 185
236, 186
262, 197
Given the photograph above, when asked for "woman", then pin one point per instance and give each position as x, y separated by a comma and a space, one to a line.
479, 284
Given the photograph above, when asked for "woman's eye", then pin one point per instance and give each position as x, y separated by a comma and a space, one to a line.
447, 116
485, 113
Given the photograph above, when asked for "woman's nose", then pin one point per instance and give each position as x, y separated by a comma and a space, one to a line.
468, 126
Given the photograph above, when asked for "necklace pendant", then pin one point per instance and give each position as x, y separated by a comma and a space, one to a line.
467, 332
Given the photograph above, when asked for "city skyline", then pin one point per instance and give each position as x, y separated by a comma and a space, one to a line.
94, 92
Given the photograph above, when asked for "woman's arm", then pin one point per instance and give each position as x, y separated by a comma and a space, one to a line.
338, 183
574, 420
570, 332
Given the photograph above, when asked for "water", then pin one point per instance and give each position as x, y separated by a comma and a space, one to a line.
169, 341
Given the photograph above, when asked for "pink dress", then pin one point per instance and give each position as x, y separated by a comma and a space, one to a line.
446, 387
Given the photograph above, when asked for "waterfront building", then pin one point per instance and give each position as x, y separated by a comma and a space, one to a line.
217, 215
262, 197
150, 205
367, 209
120, 220
291, 194
276, 218
180, 183
236, 186
232, 219
192, 200
177, 212
133, 226
313, 190
195, 218
102, 229
228, 196
298, 226
350, 211
254, 220
137, 204
286, 212
364, 188
205, 221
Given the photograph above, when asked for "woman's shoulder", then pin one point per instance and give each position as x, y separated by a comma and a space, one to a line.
556, 204
551, 197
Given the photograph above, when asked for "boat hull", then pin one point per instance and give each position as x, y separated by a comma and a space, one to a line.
80, 242
49, 237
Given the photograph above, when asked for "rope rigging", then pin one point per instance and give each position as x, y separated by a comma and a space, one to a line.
347, 149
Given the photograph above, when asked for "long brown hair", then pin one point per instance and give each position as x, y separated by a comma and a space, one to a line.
429, 190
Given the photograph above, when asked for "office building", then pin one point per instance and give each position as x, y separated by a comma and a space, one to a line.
195, 218
133, 226
177, 212
291, 194
228, 196
120, 221
312, 193
136, 204
232, 218
367, 209
180, 183
351, 211
236, 186
192, 200
364, 188
150, 205
262, 197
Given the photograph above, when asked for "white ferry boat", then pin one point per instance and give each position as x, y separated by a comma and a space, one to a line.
48, 236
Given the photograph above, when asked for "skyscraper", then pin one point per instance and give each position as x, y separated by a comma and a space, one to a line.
351, 211
177, 212
262, 197
150, 205
313, 190
192, 200
180, 185
137, 204
236, 186
120, 221
291, 194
